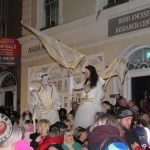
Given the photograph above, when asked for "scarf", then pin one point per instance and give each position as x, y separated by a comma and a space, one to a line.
104, 132
69, 145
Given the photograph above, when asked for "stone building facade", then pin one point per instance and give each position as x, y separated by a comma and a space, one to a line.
100, 29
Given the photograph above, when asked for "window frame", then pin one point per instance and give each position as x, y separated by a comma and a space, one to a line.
112, 3
3, 17
56, 14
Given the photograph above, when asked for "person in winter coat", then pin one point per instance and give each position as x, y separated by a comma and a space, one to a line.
105, 134
108, 107
43, 129
54, 139
141, 128
124, 117
80, 136
136, 146
69, 143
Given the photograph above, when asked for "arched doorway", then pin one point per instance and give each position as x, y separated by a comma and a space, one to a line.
138, 56
8, 89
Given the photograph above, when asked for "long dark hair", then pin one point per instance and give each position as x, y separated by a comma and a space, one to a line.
93, 76
108, 103
24, 114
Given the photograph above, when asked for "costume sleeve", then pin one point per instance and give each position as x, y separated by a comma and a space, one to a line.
35, 103
75, 86
100, 83
56, 98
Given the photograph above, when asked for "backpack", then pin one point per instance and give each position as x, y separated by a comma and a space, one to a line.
103, 145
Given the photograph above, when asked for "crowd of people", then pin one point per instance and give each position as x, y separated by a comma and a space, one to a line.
119, 127
94, 125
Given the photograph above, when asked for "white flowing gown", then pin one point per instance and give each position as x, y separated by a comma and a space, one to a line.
84, 116
48, 102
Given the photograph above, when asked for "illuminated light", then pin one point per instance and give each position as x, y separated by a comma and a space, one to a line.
148, 55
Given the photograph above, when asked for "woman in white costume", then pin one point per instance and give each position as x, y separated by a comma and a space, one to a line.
92, 93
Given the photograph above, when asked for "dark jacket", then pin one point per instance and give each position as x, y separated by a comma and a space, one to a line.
130, 137
33, 143
110, 112
57, 146
14, 114
142, 133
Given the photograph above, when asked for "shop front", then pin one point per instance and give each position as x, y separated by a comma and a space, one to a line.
111, 36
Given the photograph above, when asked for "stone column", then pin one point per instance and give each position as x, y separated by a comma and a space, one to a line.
2, 102
15, 100
125, 88
129, 89
60, 20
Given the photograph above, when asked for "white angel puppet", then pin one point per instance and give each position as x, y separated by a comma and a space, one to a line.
47, 100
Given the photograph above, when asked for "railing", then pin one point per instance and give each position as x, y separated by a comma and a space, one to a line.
112, 3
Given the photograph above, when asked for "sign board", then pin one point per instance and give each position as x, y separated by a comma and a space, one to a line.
6, 128
10, 51
129, 22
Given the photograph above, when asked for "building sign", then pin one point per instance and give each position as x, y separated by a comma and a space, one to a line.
6, 128
10, 51
35, 49
130, 22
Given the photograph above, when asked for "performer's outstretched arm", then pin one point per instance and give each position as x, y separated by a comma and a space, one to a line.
73, 85
101, 88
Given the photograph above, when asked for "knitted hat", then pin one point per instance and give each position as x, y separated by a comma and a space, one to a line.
123, 112
26, 107
117, 146
61, 125
22, 145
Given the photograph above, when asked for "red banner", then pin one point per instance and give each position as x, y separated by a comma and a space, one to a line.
10, 51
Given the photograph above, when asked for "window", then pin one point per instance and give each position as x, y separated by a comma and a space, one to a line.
139, 59
8, 81
3, 17
50, 14
111, 3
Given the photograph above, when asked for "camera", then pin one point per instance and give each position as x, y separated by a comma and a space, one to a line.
117, 96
